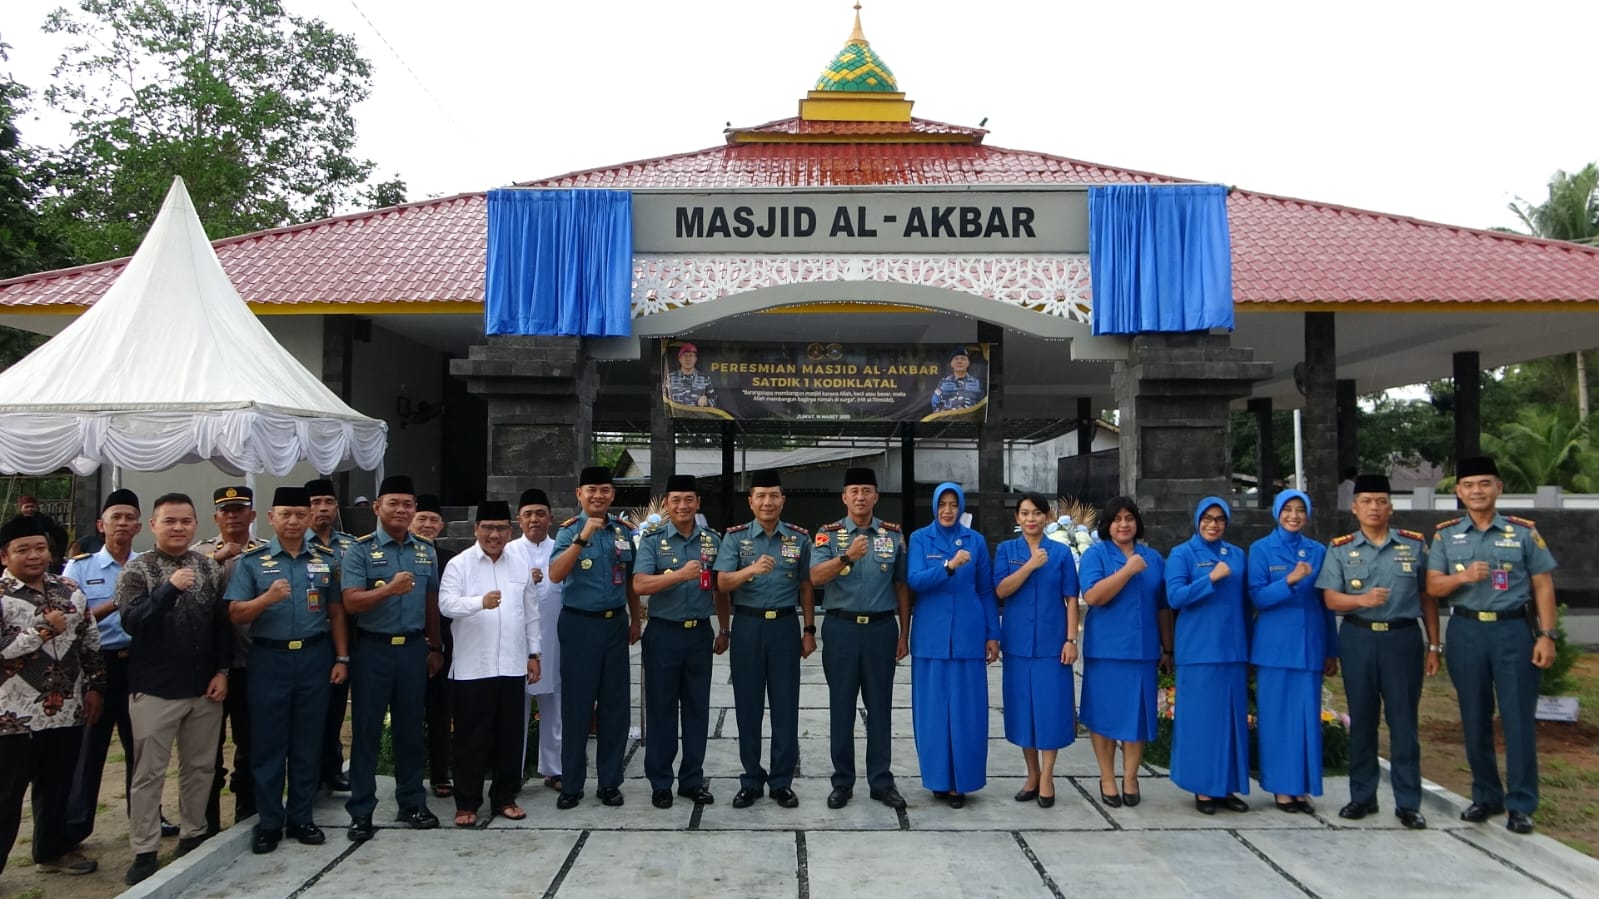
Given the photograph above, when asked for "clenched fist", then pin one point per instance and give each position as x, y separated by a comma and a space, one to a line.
1220, 571
183, 578
491, 599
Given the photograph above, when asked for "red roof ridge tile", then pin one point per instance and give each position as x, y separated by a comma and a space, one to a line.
575, 173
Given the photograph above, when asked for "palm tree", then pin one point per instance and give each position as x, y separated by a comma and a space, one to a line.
1571, 213
1539, 448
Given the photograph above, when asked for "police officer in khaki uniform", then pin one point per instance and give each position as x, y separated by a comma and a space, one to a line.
1496, 571
860, 559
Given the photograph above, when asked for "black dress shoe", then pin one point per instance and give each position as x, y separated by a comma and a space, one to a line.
338, 783
567, 801
144, 864
839, 797
611, 796
701, 795
1291, 806
187, 845
941, 795
264, 841
890, 797
1026, 795
1110, 800
1519, 822
418, 818
1131, 800
1046, 801
661, 798
1234, 804
1305, 808
307, 834
957, 800
1478, 812
360, 829
168, 829
1354, 811
746, 797
1412, 819
785, 797
1205, 806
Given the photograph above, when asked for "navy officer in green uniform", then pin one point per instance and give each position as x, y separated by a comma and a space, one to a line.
390, 580
1376, 578
1496, 571
285, 591
593, 561
673, 568
860, 560
324, 515
762, 574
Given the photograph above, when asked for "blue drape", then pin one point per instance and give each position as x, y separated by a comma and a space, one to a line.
1159, 258
560, 263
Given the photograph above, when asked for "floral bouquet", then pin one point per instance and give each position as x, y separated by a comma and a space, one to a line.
1076, 526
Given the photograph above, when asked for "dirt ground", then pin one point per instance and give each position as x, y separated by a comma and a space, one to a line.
1568, 755
109, 843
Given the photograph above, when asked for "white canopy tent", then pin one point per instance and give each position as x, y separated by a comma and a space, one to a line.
171, 366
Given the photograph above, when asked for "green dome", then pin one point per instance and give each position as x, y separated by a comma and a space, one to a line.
857, 68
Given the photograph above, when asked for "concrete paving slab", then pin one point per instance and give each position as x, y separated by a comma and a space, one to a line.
683, 864
276, 875
1166, 807
721, 760
919, 864
1335, 795
1167, 865
1548, 860
995, 808
862, 813
636, 813
812, 723
1426, 863
420, 863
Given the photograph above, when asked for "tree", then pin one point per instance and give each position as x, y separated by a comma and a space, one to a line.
26, 244
251, 105
1539, 448
385, 193
1570, 213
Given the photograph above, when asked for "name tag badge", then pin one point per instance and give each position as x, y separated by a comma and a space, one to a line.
616, 575
93, 581
313, 601
1501, 579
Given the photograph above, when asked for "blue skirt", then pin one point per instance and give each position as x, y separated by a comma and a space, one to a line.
1289, 725
1210, 733
1038, 696
1119, 699
949, 712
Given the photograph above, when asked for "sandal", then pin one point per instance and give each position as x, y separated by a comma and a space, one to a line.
443, 790
553, 783
465, 819
513, 812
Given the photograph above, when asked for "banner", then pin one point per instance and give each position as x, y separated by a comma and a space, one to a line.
825, 381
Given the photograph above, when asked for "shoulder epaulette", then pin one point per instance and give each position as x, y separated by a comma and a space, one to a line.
835, 526
1340, 541
651, 530
81, 556
1443, 524
1414, 535
366, 538
738, 527
319, 548
891, 526
254, 545
1527, 523
569, 522
796, 528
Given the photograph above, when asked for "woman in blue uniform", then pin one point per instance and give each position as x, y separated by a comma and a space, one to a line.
1126, 635
1037, 579
1294, 644
954, 634
1205, 579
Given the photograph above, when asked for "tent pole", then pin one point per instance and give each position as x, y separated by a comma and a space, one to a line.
116, 477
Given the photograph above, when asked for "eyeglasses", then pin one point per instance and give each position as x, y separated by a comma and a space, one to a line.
1212, 519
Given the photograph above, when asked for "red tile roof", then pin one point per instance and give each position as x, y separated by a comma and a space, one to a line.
797, 125
1284, 250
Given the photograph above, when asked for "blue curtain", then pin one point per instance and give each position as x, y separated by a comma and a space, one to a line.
1159, 258
560, 263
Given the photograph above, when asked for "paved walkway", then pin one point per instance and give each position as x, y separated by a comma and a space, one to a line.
993, 847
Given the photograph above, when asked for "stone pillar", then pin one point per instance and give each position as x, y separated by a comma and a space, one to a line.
339, 333
907, 476
1265, 452
1174, 394
1468, 405
1348, 429
729, 476
1321, 419
663, 430
540, 396
991, 517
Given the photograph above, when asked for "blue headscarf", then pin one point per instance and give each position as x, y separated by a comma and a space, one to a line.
1206, 503
960, 500
1289, 538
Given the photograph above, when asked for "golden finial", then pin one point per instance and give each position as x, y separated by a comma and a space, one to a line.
857, 36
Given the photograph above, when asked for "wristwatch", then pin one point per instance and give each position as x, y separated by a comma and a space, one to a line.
341, 660
810, 628
532, 657
1546, 633
580, 541
1435, 647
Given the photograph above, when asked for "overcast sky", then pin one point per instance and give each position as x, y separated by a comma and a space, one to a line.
1439, 110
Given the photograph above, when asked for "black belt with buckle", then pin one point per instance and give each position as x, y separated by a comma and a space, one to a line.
121, 653
1398, 624
302, 643
586, 613
1519, 613
768, 614
859, 618
390, 639
688, 623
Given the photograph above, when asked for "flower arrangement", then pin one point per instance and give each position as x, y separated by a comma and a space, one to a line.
1076, 526
644, 516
